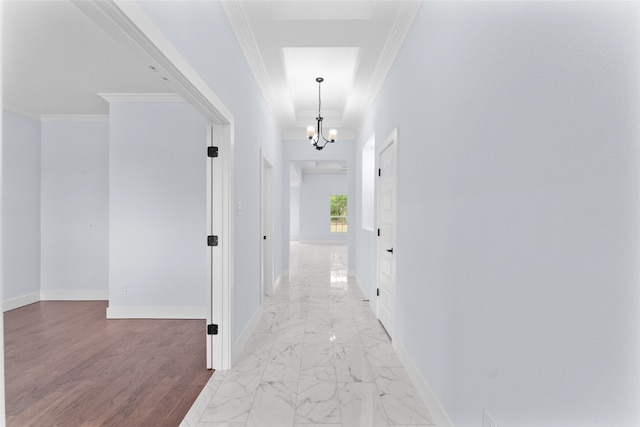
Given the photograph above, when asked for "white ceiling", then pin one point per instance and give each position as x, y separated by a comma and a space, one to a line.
351, 44
56, 60
303, 167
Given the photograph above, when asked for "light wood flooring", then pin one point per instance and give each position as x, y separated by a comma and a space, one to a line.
67, 365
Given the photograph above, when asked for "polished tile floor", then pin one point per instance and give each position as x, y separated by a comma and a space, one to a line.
318, 357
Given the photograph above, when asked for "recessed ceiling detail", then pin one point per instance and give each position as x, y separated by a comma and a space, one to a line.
336, 64
296, 10
289, 43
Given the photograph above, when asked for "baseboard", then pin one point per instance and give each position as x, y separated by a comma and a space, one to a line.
21, 301
372, 301
276, 284
244, 337
324, 242
74, 295
428, 396
125, 312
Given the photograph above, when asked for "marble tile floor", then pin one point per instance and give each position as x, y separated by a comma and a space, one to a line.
318, 357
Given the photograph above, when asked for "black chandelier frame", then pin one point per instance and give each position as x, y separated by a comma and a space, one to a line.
315, 139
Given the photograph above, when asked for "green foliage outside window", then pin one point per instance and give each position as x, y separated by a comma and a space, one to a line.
338, 213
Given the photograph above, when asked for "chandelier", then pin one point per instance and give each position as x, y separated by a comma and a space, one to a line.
315, 134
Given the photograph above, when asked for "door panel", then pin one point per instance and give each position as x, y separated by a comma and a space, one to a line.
387, 240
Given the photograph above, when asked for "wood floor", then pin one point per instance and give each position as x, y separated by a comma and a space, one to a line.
66, 365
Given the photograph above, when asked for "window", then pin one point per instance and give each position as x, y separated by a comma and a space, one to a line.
339, 213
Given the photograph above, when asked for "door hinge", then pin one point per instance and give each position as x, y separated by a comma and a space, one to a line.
378, 232
212, 240
379, 172
378, 292
212, 151
212, 329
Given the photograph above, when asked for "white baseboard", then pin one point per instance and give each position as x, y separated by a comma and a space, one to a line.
124, 312
21, 301
436, 410
244, 337
276, 284
324, 242
372, 300
74, 295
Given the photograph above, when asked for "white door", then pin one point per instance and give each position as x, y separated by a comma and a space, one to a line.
220, 204
387, 234
267, 227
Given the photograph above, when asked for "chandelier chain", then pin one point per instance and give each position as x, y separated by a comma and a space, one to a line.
319, 99
314, 135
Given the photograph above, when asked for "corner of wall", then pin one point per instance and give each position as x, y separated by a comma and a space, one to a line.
239, 344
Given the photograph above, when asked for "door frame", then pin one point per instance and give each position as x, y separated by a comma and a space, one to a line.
266, 226
129, 25
389, 140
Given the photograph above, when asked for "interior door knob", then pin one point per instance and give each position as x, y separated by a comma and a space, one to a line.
390, 250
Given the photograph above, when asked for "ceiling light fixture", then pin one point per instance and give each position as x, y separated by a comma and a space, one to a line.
315, 134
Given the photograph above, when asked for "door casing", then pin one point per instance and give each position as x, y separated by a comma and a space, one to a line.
386, 214
267, 226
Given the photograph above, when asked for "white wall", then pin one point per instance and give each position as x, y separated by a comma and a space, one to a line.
20, 206
342, 150
315, 206
202, 34
294, 213
364, 238
157, 210
519, 208
75, 208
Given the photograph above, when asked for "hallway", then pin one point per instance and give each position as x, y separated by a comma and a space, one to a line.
318, 357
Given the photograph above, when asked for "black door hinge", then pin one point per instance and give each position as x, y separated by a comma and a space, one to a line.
212, 329
378, 292
212, 151
378, 232
212, 240
379, 172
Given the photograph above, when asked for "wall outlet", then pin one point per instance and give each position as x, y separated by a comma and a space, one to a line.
123, 289
487, 420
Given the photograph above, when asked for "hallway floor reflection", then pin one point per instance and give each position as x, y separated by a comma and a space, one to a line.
317, 357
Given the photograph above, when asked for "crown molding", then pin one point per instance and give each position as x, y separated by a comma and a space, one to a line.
239, 22
141, 97
401, 25
74, 118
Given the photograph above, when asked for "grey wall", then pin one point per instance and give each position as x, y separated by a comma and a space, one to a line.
20, 205
517, 255
315, 206
201, 32
75, 207
157, 210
